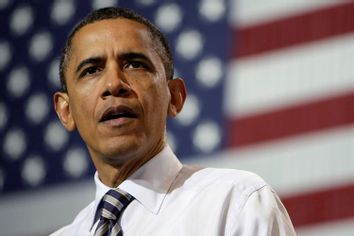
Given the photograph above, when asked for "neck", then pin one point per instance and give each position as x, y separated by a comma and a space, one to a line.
113, 175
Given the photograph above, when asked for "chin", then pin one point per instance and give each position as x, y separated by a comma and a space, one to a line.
120, 152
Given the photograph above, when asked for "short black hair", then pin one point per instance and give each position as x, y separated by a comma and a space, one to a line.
162, 47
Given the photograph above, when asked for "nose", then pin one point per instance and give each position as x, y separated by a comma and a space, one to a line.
116, 84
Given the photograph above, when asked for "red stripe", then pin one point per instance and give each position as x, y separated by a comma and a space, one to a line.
294, 30
322, 206
323, 114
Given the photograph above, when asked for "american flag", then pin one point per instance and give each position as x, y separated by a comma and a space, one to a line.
271, 90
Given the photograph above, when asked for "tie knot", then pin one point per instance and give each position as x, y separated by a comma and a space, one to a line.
114, 202
111, 207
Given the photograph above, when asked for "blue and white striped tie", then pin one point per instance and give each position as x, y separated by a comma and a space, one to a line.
113, 204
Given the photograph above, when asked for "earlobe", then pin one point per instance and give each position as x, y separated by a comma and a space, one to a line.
178, 96
62, 108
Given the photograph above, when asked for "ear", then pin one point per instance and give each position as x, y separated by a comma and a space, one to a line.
62, 108
178, 96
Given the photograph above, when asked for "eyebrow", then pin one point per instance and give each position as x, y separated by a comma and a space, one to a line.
123, 56
133, 55
90, 60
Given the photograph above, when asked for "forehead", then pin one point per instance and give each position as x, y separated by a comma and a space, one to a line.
116, 34
114, 26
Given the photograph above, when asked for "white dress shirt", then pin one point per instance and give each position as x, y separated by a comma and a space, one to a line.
176, 200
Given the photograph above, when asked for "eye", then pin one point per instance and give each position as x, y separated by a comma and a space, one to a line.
90, 70
135, 65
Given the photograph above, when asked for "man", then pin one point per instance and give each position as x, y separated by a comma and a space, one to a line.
118, 89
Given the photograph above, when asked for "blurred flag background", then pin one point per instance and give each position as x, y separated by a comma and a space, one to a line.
271, 90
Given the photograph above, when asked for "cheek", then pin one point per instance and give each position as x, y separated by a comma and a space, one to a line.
158, 104
82, 110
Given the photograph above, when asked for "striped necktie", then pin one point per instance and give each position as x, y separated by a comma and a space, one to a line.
113, 204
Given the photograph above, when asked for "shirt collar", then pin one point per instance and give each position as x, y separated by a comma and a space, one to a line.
150, 183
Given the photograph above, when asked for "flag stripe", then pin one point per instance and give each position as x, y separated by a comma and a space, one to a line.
322, 206
245, 13
309, 162
294, 30
307, 117
290, 76
337, 228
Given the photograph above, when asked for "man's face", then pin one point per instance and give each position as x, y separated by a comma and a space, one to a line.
118, 96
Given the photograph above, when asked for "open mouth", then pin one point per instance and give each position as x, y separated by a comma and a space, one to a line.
118, 112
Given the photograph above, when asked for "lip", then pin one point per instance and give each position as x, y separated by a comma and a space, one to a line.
117, 115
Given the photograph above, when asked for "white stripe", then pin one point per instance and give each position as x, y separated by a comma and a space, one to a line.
122, 192
339, 228
249, 12
102, 229
114, 202
293, 165
289, 76
108, 215
115, 229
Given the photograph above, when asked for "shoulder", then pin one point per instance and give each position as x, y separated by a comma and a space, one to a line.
246, 201
229, 186
238, 180
81, 223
